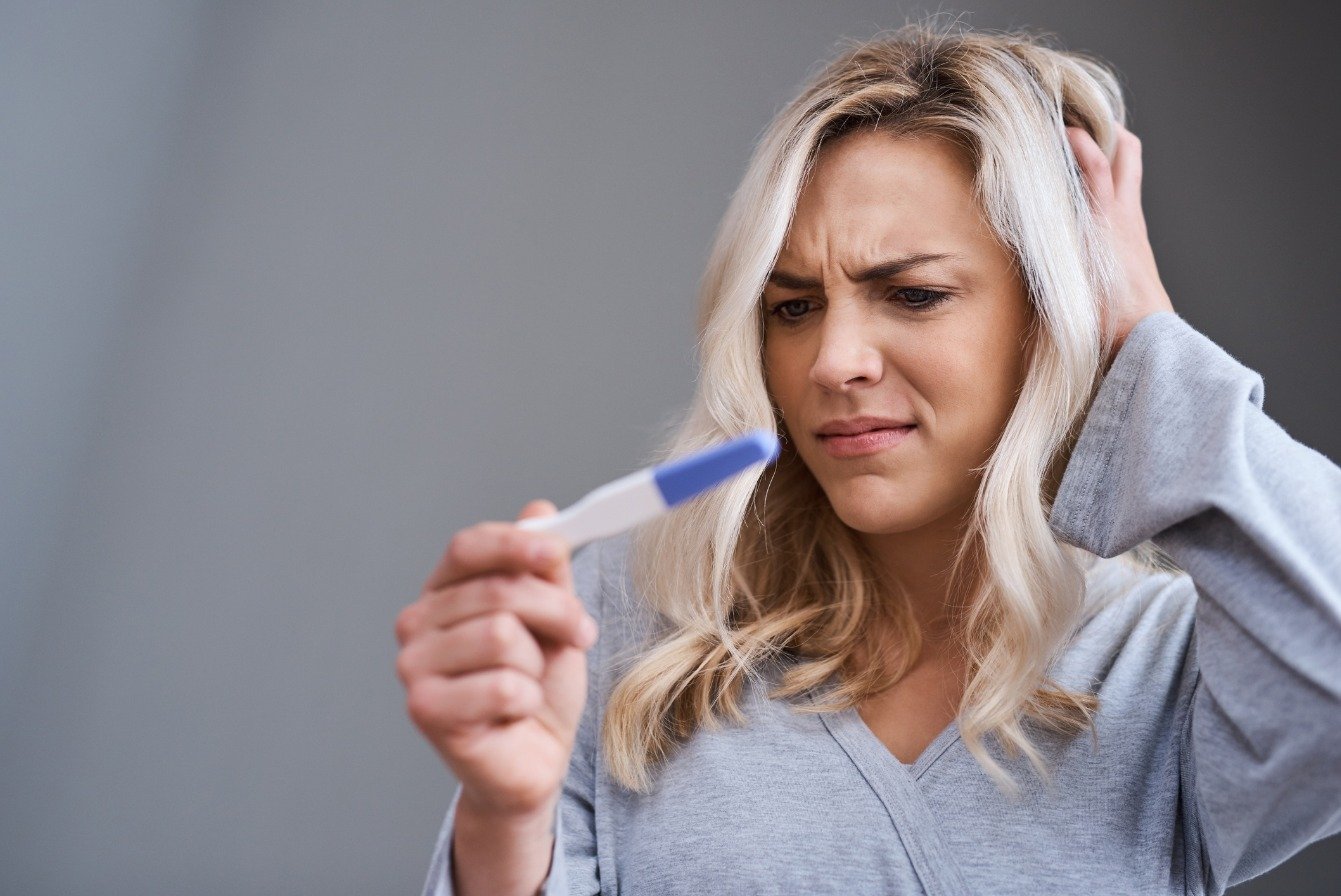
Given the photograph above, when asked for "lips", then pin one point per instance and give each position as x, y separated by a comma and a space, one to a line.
864, 436
852, 426
867, 442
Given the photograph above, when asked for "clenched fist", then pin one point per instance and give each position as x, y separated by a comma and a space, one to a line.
493, 659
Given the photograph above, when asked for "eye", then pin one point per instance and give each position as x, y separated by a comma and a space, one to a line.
921, 299
798, 308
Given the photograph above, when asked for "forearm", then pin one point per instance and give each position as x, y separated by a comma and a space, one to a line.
506, 856
1178, 450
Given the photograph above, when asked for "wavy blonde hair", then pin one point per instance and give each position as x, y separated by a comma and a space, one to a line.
763, 567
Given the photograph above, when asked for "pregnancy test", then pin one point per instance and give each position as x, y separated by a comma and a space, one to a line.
650, 492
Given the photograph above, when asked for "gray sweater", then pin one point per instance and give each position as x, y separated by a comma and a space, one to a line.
1219, 734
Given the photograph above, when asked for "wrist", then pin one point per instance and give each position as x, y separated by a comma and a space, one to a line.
1124, 335
521, 821
501, 852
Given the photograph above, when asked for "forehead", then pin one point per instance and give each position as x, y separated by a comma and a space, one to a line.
871, 194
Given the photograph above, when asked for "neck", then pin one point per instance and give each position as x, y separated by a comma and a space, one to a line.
919, 562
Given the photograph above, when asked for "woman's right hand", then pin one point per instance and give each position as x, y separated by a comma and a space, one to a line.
493, 660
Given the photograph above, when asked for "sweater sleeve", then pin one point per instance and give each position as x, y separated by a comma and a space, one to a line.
1176, 449
572, 867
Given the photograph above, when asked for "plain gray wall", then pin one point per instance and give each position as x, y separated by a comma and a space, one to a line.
291, 292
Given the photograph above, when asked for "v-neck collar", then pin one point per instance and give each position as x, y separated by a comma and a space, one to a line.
949, 734
895, 783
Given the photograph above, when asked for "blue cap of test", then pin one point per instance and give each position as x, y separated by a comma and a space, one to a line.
682, 479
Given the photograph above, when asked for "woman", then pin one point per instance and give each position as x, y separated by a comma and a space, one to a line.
896, 662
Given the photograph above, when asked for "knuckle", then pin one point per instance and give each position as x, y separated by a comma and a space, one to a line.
510, 535
491, 594
505, 689
514, 691
420, 703
404, 667
495, 532
457, 548
518, 543
501, 631
574, 605
577, 615
406, 623
498, 592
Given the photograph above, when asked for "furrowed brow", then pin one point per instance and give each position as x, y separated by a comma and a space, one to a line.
881, 271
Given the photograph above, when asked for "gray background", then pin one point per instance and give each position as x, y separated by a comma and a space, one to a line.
293, 291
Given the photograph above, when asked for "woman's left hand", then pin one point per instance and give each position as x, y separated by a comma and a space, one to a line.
1115, 192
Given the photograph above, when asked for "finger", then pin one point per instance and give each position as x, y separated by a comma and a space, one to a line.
496, 640
561, 570
539, 507
1127, 167
1094, 167
546, 610
499, 547
441, 705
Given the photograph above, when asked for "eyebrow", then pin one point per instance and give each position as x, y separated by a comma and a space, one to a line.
881, 271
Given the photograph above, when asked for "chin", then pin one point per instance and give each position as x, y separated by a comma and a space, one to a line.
876, 510
871, 521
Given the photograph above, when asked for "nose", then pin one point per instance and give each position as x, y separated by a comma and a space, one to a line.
848, 357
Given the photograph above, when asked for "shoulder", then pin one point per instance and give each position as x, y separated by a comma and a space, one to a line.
1138, 625
603, 577
601, 569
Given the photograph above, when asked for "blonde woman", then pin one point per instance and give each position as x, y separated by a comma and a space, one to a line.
1036, 600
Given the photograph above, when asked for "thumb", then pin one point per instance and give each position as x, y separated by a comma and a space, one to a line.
537, 508
557, 570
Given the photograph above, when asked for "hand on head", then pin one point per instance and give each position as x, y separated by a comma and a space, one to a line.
1115, 195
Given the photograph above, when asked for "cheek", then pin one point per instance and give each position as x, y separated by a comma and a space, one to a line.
970, 394
785, 381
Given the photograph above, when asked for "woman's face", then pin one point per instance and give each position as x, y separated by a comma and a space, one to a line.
893, 300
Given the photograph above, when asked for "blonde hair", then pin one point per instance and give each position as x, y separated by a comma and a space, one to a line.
763, 567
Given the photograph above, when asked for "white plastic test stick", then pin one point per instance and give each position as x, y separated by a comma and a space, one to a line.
641, 496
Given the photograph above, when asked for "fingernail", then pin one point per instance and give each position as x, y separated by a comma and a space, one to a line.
589, 633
